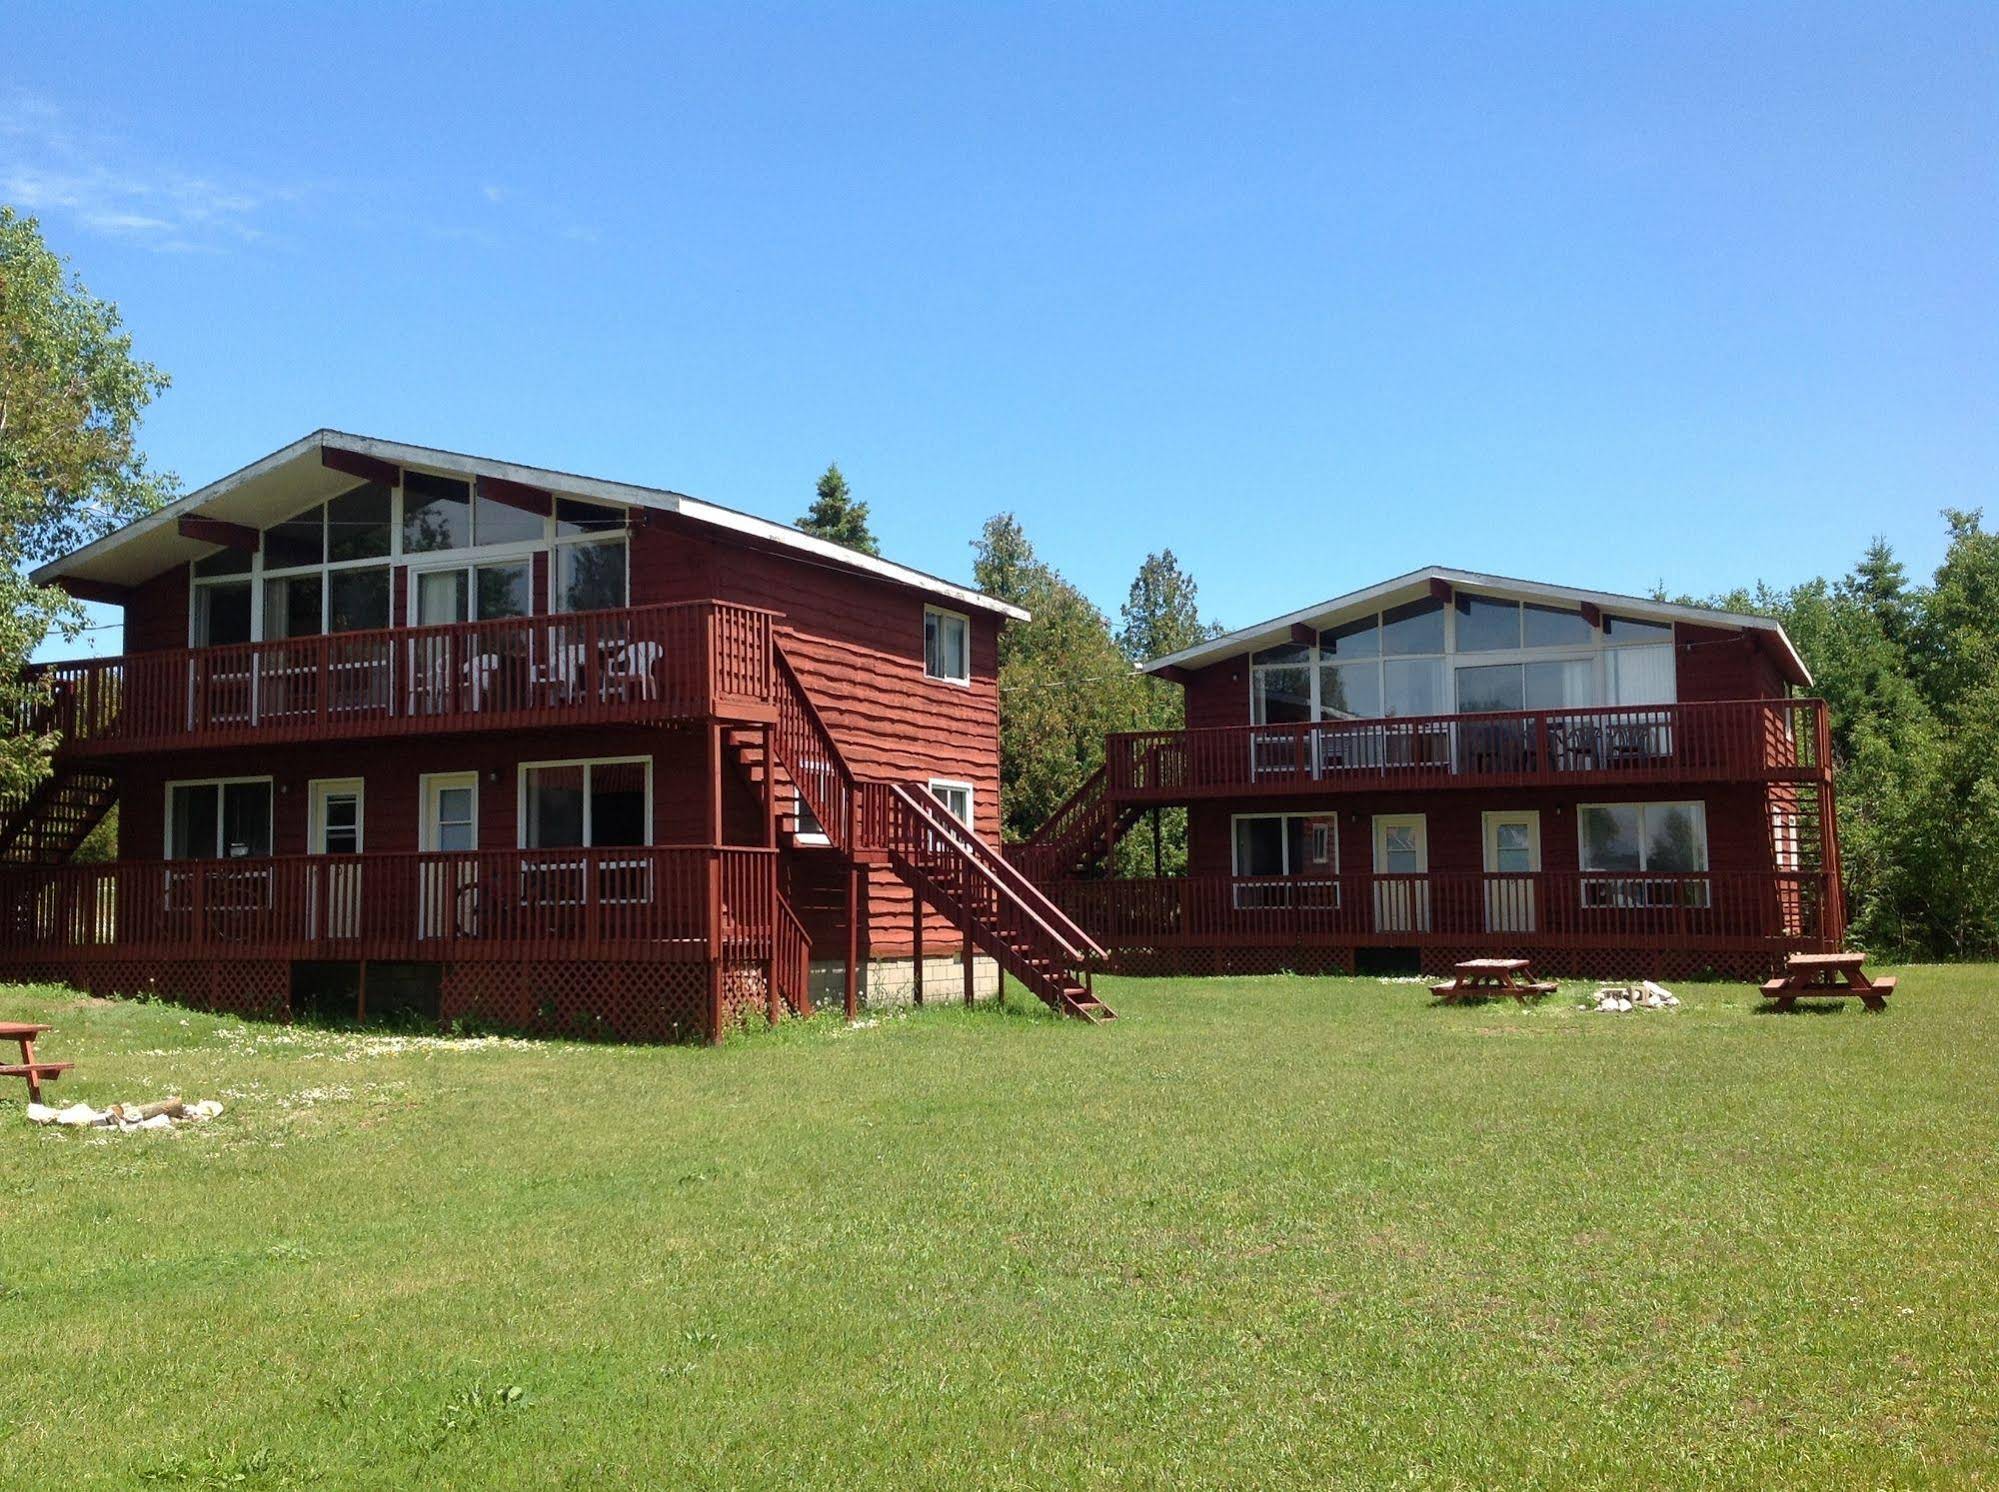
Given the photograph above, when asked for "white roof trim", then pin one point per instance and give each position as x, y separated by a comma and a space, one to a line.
1278, 629
567, 484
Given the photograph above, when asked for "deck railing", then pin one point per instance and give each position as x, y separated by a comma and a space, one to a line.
641, 902
1579, 909
663, 662
1725, 740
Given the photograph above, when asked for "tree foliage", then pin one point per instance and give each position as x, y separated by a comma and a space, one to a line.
1910, 675
71, 397
835, 515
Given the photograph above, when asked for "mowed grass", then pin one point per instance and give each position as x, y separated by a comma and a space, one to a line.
1258, 1233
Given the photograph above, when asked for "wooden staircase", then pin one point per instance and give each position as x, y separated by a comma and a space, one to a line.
1077, 837
48, 823
947, 865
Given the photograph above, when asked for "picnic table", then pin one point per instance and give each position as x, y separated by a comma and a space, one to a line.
1485, 978
25, 1033
1835, 976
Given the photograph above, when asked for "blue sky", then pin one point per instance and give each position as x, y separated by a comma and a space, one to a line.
1312, 296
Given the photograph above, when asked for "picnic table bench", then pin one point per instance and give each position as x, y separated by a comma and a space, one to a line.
25, 1032
1485, 978
1834, 976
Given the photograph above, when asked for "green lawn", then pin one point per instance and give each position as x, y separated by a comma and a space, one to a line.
1258, 1233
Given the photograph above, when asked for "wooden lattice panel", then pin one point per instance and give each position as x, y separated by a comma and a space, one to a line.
582, 1000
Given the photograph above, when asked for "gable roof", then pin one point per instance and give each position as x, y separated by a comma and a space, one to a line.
1417, 583
278, 485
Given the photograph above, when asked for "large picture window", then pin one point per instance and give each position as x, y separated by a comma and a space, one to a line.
1291, 845
1623, 846
227, 819
586, 804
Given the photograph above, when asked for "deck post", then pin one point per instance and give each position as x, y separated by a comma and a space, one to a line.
770, 843
965, 907
853, 941
916, 932
714, 744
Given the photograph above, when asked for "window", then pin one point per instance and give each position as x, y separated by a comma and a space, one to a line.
1643, 840
357, 600
589, 577
1281, 685
947, 646
956, 798
357, 523
437, 513
573, 518
221, 613
229, 819
292, 605
475, 592
586, 804
1485, 625
1381, 665
1552, 627
503, 523
1288, 845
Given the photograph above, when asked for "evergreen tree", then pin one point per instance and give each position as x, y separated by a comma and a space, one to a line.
835, 515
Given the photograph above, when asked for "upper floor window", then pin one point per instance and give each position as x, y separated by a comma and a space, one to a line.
947, 645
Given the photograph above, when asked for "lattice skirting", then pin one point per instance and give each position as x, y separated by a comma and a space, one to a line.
1203, 962
252, 987
589, 1000
599, 1000
1606, 964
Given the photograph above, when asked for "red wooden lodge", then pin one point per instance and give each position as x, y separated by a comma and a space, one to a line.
400, 728
1448, 765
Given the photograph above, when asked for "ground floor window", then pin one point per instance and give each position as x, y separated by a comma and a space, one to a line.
228, 819
1291, 845
956, 798
1628, 849
583, 804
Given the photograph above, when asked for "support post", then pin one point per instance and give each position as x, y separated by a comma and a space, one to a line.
774, 1000
916, 930
853, 941
965, 906
714, 873
1157, 861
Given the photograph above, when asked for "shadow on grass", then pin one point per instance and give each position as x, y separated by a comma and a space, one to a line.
1806, 1007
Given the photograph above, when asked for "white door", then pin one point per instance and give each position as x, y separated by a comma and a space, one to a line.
449, 873
1401, 848
1512, 860
334, 828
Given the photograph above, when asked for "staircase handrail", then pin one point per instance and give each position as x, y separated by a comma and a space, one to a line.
836, 819
1050, 919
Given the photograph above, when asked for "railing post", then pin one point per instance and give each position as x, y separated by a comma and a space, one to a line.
771, 903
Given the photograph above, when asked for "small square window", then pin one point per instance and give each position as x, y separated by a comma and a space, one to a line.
956, 798
947, 645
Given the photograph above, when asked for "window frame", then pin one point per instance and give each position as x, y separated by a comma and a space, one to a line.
1264, 898
955, 784
468, 557
1317, 658
218, 783
586, 762
1602, 889
963, 680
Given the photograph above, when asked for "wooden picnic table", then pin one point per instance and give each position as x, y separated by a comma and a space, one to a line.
1485, 978
25, 1032
1828, 976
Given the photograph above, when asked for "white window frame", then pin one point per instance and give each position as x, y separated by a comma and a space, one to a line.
426, 829
549, 544
1601, 889
501, 554
317, 789
962, 680
586, 762
218, 783
1263, 898
1452, 658
955, 785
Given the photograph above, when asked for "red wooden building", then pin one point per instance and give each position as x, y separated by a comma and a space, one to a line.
400, 727
1450, 763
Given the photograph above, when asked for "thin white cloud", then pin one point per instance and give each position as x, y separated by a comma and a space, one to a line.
100, 183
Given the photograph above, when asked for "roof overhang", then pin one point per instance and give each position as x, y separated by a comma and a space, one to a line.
1438, 579
278, 485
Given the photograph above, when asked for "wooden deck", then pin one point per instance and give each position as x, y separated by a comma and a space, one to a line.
668, 904
645, 663
1759, 740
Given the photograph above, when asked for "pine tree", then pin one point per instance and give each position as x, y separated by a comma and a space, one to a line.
835, 515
